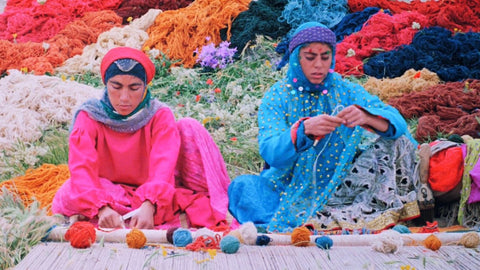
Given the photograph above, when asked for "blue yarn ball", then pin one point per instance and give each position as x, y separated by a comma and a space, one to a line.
324, 242
229, 244
263, 240
401, 228
182, 237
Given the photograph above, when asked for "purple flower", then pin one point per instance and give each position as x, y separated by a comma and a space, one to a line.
216, 57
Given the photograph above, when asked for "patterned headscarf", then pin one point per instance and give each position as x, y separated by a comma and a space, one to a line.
305, 34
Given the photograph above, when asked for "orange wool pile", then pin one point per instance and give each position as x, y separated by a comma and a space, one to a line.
44, 57
178, 33
40, 184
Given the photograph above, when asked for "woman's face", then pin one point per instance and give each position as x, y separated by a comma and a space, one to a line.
315, 60
125, 93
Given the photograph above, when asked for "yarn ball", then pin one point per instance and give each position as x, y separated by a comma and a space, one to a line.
324, 242
263, 240
182, 237
81, 234
470, 240
301, 236
389, 241
432, 242
170, 232
229, 244
249, 233
401, 228
136, 238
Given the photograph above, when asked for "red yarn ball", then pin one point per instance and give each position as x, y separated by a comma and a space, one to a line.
81, 234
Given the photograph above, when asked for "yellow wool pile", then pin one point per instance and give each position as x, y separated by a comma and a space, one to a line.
411, 81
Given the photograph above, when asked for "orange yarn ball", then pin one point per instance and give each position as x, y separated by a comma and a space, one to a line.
136, 238
432, 242
81, 234
301, 237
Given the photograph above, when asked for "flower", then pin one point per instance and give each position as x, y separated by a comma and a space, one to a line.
415, 25
217, 90
213, 57
198, 98
129, 19
24, 69
233, 139
350, 52
209, 81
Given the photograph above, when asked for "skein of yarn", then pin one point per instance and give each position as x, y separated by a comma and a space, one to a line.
229, 244
81, 234
470, 240
170, 232
389, 241
136, 238
432, 242
263, 240
182, 237
301, 236
324, 242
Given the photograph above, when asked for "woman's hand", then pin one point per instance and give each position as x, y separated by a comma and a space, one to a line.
355, 116
109, 218
322, 125
144, 218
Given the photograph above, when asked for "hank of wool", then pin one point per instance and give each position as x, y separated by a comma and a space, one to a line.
470, 240
301, 236
389, 241
136, 238
432, 242
182, 237
324, 242
81, 234
229, 244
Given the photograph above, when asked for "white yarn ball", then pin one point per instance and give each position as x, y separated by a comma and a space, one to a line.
389, 241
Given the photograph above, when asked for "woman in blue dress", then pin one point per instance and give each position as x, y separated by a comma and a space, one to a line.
336, 156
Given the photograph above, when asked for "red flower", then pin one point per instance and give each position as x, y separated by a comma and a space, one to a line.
180, 105
218, 90
177, 93
417, 75
197, 98
233, 139
209, 81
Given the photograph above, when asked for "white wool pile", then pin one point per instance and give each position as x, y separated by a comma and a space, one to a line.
31, 103
133, 35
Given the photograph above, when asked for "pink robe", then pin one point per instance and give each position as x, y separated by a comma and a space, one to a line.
123, 170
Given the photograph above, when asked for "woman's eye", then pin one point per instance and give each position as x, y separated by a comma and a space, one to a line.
310, 58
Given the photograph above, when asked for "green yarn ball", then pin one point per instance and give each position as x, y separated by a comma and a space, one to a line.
229, 244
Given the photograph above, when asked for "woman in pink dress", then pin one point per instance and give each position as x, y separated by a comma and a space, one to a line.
127, 152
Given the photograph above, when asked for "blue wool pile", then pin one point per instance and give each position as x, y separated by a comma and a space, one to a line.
353, 22
329, 13
182, 237
324, 242
401, 228
229, 244
261, 18
453, 57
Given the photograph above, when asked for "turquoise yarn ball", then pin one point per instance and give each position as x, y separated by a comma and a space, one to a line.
229, 244
182, 237
324, 242
401, 228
